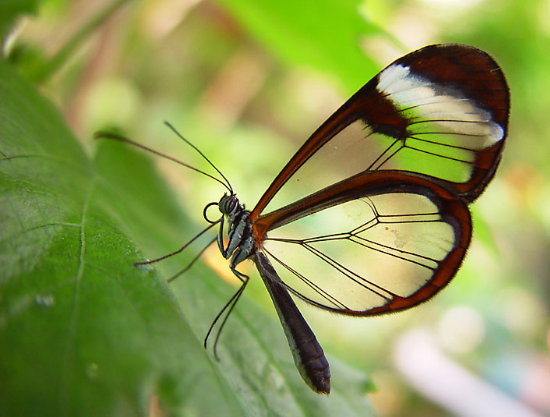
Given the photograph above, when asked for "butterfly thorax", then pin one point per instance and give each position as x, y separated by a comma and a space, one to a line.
235, 239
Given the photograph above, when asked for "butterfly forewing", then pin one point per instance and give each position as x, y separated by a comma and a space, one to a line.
441, 111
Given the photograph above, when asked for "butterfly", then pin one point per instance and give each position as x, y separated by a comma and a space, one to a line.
370, 216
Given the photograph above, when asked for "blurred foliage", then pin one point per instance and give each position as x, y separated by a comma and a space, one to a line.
248, 81
11, 10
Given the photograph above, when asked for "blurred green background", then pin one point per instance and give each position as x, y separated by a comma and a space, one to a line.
248, 81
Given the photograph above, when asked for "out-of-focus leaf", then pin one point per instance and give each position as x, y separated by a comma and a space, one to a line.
10, 10
292, 31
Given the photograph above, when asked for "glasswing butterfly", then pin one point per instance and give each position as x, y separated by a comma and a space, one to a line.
370, 216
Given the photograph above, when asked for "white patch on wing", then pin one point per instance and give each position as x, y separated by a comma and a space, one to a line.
434, 104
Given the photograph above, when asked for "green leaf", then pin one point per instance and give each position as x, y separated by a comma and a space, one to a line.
85, 333
325, 35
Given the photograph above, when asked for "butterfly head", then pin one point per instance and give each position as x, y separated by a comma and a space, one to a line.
229, 205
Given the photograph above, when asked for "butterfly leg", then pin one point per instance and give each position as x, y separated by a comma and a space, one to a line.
190, 264
226, 310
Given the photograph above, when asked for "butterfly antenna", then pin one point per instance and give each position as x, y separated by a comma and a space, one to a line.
114, 136
173, 129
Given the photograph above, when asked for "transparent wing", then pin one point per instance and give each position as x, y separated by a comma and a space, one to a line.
441, 111
383, 243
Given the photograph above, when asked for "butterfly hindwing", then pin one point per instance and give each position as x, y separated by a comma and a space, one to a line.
391, 241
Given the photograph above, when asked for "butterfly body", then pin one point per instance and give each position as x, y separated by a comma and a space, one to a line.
241, 245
